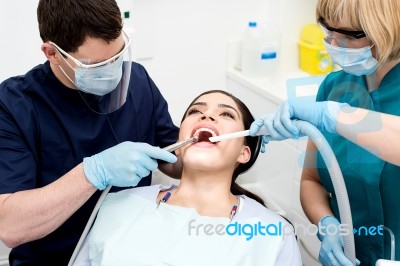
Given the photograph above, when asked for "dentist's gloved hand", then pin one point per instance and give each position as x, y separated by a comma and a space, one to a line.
280, 124
124, 165
331, 252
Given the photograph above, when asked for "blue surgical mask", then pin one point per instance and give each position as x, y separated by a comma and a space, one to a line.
356, 61
99, 80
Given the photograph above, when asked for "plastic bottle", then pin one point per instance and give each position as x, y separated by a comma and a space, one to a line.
269, 50
250, 49
259, 52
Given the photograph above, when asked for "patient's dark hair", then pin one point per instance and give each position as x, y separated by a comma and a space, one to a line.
254, 144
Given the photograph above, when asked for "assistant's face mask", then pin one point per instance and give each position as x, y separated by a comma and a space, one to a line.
356, 61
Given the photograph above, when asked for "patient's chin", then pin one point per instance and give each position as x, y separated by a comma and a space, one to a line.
200, 160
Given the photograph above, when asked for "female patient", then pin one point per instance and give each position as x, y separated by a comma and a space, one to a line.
208, 219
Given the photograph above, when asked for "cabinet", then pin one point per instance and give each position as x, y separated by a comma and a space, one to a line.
276, 174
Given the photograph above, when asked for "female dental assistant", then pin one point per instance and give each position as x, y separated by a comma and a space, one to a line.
362, 37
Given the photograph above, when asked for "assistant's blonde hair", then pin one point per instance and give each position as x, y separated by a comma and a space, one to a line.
379, 19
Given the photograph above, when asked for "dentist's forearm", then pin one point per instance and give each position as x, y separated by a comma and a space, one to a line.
376, 132
32, 214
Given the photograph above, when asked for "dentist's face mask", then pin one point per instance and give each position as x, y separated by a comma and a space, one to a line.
99, 80
356, 61
108, 79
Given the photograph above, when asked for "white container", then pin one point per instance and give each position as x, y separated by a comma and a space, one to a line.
259, 52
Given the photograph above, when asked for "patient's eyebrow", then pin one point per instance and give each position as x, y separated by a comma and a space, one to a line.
221, 105
200, 103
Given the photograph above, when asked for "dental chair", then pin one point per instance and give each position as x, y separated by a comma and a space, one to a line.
4, 251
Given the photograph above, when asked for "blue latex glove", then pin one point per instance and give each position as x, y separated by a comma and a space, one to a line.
124, 165
280, 124
331, 252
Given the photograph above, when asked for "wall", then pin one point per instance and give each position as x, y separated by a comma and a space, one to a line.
20, 41
189, 39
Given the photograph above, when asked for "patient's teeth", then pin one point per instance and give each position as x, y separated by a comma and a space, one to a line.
204, 129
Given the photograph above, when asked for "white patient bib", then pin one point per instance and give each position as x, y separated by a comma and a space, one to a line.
131, 230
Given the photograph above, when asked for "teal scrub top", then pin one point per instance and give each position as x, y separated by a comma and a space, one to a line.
373, 185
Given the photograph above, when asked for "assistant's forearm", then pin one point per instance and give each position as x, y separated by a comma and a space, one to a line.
314, 200
32, 214
376, 132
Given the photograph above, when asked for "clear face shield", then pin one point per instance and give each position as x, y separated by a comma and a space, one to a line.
103, 86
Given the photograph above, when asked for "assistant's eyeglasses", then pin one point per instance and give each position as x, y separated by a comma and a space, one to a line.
357, 34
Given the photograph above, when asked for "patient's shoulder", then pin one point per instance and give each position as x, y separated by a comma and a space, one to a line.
147, 192
253, 209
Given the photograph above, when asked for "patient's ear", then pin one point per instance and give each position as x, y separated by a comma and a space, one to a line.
245, 154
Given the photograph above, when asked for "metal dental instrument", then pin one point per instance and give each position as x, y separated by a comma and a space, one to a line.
180, 144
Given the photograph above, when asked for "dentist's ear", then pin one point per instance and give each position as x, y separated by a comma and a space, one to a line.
51, 53
245, 155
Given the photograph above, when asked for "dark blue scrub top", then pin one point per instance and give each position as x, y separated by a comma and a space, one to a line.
46, 129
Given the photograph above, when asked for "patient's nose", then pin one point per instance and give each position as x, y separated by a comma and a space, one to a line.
207, 117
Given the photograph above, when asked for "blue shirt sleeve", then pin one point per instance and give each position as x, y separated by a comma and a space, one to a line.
17, 161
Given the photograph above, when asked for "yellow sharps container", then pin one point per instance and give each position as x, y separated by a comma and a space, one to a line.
314, 58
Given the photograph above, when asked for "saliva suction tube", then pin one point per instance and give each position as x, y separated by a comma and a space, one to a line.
338, 183
327, 155
334, 171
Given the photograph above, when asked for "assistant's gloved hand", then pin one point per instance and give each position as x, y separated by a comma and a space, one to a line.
124, 164
280, 124
331, 252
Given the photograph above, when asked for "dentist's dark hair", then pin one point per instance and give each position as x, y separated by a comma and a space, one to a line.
254, 144
68, 22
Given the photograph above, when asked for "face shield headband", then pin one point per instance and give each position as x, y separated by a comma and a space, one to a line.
103, 86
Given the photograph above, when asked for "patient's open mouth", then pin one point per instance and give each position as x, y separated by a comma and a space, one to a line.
204, 134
